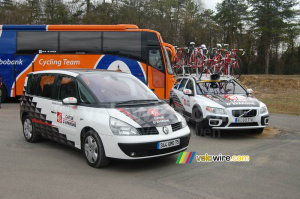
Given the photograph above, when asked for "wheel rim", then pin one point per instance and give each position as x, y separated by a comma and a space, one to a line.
91, 149
27, 128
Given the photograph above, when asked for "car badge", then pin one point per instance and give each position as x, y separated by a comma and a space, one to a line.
166, 130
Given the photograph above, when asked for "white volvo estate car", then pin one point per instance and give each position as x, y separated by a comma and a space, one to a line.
218, 104
106, 114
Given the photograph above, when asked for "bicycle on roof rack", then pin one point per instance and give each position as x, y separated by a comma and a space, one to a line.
201, 61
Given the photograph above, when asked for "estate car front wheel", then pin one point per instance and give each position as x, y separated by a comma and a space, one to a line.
93, 150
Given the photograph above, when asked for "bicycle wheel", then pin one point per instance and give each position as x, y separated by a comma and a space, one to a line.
236, 69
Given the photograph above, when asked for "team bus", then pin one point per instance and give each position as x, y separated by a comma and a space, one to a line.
28, 48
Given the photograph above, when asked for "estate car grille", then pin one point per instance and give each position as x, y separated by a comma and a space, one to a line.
243, 124
177, 126
244, 113
148, 131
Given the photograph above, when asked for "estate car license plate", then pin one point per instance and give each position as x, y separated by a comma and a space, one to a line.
244, 119
168, 144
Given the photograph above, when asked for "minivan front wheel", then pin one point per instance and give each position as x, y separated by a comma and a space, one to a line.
93, 150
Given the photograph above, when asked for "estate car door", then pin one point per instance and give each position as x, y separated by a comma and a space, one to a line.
178, 95
189, 99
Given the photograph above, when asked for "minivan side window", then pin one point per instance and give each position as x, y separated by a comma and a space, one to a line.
66, 87
84, 95
31, 85
45, 85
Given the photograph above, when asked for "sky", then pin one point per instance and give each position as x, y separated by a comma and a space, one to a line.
211, 4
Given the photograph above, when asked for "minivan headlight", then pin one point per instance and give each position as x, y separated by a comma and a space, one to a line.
119, 127
263, 110
214, 110
183, 121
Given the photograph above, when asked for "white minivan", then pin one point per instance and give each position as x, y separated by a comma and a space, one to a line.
106, 114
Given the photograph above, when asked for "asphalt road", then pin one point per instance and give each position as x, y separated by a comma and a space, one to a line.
51, 170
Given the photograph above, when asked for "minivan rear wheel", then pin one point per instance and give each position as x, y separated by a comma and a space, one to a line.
93, 150
29, 130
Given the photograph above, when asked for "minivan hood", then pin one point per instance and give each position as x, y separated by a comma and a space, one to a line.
231, 100
151, 116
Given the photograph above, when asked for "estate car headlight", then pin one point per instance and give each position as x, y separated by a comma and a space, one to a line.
263, 110
215, 110
183, 121
121, 128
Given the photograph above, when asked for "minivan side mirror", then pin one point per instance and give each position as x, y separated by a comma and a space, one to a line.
249, 91
187, 92
70, 101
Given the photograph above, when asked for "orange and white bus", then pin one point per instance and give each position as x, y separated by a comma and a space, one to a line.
27, 48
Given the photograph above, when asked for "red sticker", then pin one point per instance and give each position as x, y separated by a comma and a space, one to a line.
59, 117
154, 112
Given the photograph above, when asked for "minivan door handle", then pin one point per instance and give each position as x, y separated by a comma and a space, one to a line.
53, 112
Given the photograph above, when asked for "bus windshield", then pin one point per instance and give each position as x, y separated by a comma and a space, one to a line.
169, 67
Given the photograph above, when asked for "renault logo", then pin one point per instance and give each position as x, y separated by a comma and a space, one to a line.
165, 130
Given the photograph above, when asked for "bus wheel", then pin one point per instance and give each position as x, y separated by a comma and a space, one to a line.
4, 93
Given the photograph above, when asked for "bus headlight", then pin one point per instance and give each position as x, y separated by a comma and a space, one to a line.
121, 128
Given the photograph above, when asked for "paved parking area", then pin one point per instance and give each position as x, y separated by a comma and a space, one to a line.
51, 170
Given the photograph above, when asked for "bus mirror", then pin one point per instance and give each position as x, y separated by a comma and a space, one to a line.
173, 52
70, 101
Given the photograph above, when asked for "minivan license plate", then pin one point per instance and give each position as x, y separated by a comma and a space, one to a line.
168, 144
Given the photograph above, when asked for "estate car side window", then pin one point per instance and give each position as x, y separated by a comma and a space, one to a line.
66, 87
182, 84
177, 82
45, 85
190, 85
84, 95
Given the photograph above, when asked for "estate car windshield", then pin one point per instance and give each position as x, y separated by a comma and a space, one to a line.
117, 87
221, 87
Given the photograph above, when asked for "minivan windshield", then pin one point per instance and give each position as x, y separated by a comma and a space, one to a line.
117, 87
219, 87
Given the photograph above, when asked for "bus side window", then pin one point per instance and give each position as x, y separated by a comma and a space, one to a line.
155, 59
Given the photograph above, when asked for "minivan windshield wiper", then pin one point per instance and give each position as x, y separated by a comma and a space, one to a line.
137, 101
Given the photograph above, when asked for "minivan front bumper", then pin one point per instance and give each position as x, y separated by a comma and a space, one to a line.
144, 146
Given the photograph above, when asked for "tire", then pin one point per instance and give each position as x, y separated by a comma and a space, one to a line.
198, 119
237, 70
29, 130
93, 150
257, 131
4, 93
172, 104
